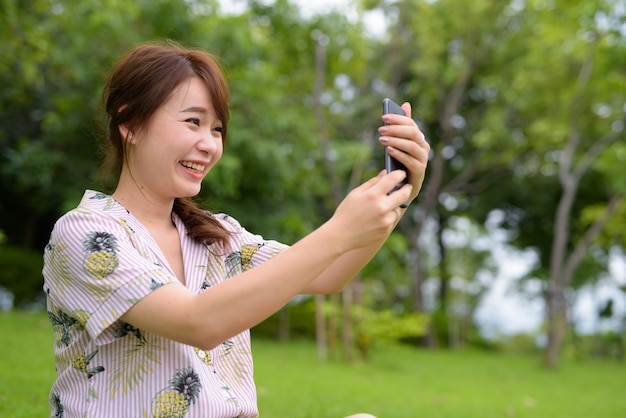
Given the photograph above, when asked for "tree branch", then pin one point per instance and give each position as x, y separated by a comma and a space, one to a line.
596, 149
590, 234
567, 159
320, 72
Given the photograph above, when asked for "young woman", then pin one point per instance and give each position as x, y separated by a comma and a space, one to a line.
151, 298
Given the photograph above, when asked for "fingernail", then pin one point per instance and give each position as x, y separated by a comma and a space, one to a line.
383, 129
383, 139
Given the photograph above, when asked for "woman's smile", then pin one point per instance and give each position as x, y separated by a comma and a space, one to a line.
196, 167
196, 170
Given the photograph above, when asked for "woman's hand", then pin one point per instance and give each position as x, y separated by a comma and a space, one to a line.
369, 212
406, 143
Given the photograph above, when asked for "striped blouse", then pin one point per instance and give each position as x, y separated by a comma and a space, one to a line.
99, 262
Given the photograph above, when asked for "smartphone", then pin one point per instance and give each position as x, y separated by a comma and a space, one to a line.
391, 164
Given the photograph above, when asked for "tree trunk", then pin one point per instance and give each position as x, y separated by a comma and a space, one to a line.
573, 165
320, 328
283, 323
443, 333
328, 339
30, 230
348, 330
333, 325
337, 195
429, 198
556, 313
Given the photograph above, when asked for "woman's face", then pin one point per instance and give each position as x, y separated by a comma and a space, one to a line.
182, 141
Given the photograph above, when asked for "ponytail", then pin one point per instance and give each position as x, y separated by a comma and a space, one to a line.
201, 226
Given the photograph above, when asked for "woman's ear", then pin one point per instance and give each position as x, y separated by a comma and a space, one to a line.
127, 134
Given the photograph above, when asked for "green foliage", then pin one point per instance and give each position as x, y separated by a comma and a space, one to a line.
386, 279
520, 344
275, 163
605, 345
301, 317
374, 329
54, 62
496, 110
20, 273
381, 328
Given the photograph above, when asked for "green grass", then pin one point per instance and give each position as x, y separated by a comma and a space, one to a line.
26, 364
404, 382
396, 383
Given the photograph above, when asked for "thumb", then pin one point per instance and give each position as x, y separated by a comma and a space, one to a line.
373, 181
406, 106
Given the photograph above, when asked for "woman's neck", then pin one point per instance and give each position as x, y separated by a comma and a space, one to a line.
151, 210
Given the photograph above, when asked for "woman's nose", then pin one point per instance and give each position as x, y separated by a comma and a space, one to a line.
210, 142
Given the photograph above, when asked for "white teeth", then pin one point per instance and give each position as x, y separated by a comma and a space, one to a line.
193, 166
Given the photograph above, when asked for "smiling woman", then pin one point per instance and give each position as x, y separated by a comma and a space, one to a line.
173, 151
151, 298
138, 87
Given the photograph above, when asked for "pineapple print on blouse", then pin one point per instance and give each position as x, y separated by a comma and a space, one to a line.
81, 363
139, 358
100, 254
174, 400
63, 324
239, 261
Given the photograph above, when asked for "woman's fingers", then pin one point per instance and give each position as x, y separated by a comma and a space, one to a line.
370, 212
400, 196
382, 184
406, 143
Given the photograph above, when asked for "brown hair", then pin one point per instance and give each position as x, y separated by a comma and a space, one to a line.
139, 84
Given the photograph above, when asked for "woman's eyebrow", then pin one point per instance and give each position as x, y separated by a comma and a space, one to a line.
195, 109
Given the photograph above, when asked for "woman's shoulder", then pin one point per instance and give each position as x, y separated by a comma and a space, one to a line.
94, 207
242, 237
228, 222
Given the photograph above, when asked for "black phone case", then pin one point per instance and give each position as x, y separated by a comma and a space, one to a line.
391, 164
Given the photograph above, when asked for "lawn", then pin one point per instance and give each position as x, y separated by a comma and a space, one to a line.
396, 383
409, 383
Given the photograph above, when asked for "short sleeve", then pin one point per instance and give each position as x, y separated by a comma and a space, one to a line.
247, 250
93, 270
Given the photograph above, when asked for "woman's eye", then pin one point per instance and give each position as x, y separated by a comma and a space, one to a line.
218, 129
195, 121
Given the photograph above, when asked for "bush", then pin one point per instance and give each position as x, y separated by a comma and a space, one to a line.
521, 343
20, 274
301, 321
384, 327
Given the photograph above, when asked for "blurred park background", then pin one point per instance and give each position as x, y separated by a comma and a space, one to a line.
516, 242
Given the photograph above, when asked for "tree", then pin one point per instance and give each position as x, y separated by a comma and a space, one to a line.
501, 118
54, 60
573, 126
275, 177
443, 56
570, 111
